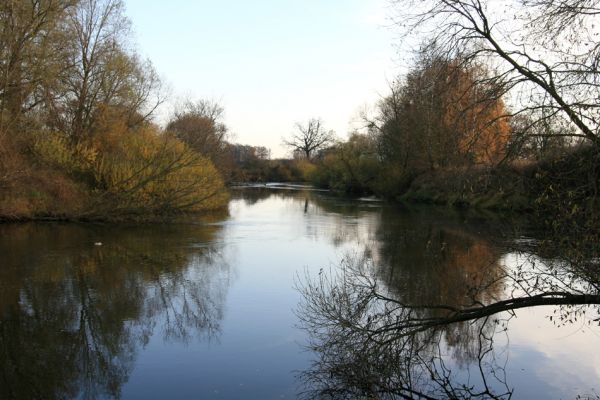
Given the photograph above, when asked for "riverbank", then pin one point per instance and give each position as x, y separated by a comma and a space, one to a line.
70, 201
560, 194
500, 188
569, 181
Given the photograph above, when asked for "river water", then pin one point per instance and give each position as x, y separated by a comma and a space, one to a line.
209, 309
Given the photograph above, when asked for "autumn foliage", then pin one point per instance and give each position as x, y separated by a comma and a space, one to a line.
445, 114
76, 135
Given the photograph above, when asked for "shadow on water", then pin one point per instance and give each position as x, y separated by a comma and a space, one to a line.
424, 311
74, 313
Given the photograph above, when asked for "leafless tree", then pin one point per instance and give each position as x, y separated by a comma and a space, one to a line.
310, 138
544, 53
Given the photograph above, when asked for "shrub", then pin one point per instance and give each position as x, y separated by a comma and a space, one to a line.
350, 167
149, 173
54, 149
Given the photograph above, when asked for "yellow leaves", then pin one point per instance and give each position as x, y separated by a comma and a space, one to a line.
306, 168
135, 171
54, 149
159, 174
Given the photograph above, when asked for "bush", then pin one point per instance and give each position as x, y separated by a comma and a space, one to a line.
55, 150
121, 173
350, 167
149, 173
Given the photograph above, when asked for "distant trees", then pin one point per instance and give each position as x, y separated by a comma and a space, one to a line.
309, 138
244, 154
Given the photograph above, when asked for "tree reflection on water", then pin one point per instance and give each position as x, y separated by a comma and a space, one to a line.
425, 313
73, 315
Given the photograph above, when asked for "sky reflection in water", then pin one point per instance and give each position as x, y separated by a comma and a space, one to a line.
205, 310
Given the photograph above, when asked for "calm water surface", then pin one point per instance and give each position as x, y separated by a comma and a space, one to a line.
206, 309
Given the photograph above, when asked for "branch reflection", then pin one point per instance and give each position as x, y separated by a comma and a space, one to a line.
74, 315
425, 313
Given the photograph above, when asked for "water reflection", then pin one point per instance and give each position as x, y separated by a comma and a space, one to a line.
74, 314
153, 313
425, 310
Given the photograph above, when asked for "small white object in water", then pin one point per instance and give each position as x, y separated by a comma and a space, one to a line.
97, 243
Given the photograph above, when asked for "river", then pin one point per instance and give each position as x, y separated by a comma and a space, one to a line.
210, 309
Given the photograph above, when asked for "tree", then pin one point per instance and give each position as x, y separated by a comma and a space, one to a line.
31, 53
66, 63
442, 113
310, 138
350, 166
199, 125
102, 74
544, 54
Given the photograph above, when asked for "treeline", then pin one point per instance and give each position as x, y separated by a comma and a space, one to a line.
444, 114
500, 109
76, 135
444, 135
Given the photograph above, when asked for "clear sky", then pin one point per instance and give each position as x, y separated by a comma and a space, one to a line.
270, 63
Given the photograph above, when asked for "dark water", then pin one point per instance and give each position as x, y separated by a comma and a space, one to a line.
206, 309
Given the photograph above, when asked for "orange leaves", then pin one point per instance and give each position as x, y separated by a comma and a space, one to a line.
445, 113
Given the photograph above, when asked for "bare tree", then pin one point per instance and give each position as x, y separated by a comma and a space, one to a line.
544, 53
310, 138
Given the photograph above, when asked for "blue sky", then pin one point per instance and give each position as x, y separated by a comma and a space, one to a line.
270, 63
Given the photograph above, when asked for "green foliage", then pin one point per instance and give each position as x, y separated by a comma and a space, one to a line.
351, 166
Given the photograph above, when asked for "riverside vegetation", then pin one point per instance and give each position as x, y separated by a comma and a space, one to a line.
77, 138
481, 121
473, 122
